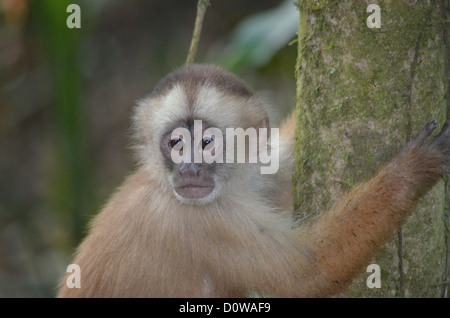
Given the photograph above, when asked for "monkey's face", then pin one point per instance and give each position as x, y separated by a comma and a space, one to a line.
178, 128
193, 179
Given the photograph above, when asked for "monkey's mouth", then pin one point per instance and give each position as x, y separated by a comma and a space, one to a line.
192, 191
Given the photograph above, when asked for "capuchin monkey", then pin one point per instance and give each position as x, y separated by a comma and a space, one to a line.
197, 229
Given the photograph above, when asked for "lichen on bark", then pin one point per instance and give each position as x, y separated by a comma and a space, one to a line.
361, 94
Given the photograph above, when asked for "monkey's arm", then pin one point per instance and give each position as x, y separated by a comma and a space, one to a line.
283, 192
346, 237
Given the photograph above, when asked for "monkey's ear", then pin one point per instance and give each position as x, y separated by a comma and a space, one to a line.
263, 134
264, 123
143, 139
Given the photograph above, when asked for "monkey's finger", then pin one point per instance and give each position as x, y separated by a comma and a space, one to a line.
426, 131
444, 130
442, 141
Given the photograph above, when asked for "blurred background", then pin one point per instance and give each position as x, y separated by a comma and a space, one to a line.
66, 96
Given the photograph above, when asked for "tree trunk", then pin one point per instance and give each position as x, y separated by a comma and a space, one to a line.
362, 93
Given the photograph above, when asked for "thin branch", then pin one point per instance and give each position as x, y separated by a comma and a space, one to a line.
201, 9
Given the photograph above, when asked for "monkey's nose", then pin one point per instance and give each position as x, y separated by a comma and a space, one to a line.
190, 170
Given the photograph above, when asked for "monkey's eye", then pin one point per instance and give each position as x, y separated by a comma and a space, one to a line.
206, 142
173, 142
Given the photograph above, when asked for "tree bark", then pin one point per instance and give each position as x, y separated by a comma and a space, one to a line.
362, 93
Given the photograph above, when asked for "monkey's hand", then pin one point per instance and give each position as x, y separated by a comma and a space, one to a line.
344, 238
440, 143
424, 160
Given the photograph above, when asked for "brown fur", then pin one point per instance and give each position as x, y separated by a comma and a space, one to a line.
145, 243
190, 77
347, 236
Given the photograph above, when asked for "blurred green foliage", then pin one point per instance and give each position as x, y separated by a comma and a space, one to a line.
71, 182
259, 37
66, 96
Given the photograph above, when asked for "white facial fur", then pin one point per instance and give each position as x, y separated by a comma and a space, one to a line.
156, 114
